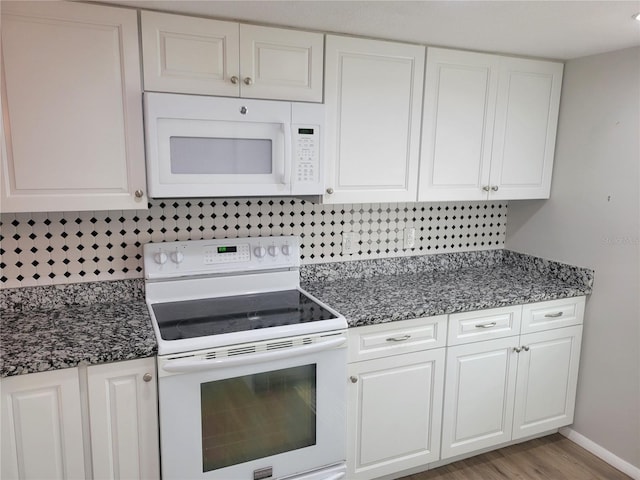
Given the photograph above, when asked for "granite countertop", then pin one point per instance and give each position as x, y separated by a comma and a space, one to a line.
54, 327
376, 291
385, 298
89, 331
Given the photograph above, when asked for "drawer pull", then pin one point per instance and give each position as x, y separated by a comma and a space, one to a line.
399, 339
486, 325
553, 315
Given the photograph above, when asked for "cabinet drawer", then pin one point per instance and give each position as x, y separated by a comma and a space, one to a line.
484, 325
393, 338
541, 316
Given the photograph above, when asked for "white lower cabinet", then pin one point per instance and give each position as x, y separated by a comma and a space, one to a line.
513, 387
547, 379
511, 373
47, 431
123, 414
395, 400
41, 422
479, 395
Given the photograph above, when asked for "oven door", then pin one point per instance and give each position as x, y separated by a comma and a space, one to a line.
264, 410
207, 146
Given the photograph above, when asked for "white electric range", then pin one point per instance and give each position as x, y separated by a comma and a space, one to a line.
252, 369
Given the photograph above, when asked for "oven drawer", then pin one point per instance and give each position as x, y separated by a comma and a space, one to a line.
393, 338
481, 325
541, 316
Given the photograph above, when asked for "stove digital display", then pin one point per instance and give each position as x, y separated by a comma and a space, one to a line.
227, 249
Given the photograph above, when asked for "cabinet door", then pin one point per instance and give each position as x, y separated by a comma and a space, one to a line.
42, 426
373, 97
479, 393
525, 128
72, 108
458, 113
394, 418
190, 55
547, 379
124, 420
281, 64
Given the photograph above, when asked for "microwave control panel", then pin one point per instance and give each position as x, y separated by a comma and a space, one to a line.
306, 154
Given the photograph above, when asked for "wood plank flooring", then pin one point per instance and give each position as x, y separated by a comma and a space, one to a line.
549, 458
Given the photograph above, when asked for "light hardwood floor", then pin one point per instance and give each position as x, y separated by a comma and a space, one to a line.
549, 458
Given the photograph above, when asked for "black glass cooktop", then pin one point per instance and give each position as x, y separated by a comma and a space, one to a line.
214, 316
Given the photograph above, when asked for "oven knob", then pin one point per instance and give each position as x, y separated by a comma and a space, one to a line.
177, 257
260, 252
286, 250
160, 258
273, 251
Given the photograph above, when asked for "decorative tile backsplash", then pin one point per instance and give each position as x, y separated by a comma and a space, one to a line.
70, 247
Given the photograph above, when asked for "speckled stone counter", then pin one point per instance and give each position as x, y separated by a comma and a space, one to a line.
48, 328
382, 291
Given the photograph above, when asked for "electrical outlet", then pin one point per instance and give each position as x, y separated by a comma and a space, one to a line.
409, 238
350, 243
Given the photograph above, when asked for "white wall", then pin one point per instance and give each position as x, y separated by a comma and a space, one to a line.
593, 220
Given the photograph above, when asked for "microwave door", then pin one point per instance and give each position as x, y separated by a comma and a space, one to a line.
221, 158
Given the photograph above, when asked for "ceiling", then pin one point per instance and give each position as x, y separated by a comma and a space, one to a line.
549, 29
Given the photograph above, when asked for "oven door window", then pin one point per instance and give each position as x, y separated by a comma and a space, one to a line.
255, 416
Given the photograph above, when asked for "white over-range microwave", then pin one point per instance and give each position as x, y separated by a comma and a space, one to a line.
201, 146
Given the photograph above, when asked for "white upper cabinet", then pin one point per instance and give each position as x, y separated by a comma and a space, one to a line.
190, 55
489, 126
209, 57
71, 103
524, 136
373, 92
281, 64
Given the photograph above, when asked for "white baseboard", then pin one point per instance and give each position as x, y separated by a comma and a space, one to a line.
598, 451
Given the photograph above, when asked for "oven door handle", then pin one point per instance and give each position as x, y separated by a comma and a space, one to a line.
195, 365
337, 476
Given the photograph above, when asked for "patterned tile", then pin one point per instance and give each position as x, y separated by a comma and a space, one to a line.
70, 247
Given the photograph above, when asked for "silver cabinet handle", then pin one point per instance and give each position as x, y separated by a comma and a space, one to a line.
525, 348
494, 188
234, 80
139, 193
353, 379
553, 315
399, 339
486, 325
147, 377
329, 190
516, 349
248, 81
485, 188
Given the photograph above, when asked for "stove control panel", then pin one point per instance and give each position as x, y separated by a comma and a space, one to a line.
220, 256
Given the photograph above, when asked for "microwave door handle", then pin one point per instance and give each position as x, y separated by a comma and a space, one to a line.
191, 365
286, 167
